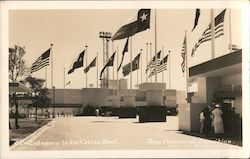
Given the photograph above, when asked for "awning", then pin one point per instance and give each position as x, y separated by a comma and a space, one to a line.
18, 87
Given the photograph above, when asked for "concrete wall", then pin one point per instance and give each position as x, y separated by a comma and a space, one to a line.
152, 86
184, 116
189, 116
69, 96
201, 95
95, 96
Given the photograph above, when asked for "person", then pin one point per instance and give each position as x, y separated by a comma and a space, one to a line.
97, 112
217, 120
205, 120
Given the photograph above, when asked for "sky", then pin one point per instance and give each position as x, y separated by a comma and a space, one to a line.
71, 30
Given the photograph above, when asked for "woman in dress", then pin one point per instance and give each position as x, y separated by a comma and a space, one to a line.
217, 120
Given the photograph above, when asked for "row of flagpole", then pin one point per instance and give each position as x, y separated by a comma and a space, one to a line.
186, 59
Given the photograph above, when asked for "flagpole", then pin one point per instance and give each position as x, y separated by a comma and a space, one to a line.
64, 78
131, 62
113, 68
118, 83
97, 70
186, 60
52, 88
141, 65
162, 60
169, 80
86, 59
63, 83
146, 62
212, 34
155, 48
230, 32
150, 57
45, 76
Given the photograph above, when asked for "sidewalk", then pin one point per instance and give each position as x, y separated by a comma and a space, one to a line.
111, 133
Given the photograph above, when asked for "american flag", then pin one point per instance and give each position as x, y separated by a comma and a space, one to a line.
41, 61
183, 54
218, 31
152, 62
162, 66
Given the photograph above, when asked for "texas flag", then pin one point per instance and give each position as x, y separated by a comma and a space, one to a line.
142, 23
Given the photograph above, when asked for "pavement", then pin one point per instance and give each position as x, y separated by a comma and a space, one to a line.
112, 133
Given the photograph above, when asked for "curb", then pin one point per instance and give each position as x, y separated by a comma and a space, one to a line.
34, 135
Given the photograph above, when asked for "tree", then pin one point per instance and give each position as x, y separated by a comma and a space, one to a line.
17, 66
17, 69
40, 100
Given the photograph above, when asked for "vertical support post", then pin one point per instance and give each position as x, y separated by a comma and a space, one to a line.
107, 57
46, 77
187, 70
212, 34
117, 65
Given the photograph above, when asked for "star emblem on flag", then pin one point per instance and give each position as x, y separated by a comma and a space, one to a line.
144, 16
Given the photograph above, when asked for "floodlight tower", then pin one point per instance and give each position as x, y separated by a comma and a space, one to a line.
106, 36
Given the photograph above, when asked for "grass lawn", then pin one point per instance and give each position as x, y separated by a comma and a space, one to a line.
27, 127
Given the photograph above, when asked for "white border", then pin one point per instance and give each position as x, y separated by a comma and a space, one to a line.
183, 153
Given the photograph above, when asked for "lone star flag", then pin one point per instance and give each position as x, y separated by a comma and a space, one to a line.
92, 64
207, 34
41, 61
123, 53
109, 63
142, 23
78, 63
135, 66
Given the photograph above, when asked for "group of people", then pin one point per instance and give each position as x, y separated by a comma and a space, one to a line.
211, 120
105, 113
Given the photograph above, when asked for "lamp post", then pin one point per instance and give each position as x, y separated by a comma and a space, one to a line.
106, 36
53, 89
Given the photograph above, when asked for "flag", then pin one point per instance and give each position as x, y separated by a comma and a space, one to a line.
92, 64
183, 54
68, 83
109, 63
78, 63
162, 66
142, 23
135, 66
123, 53
197, 15
218, 29
151, 63
41, 61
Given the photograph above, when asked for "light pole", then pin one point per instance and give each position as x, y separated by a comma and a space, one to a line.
106, 36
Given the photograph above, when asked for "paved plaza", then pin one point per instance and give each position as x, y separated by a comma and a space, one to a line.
112, 133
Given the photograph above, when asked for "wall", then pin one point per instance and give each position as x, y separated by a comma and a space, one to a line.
232, 79
189, 116
184, 117
212, 84
201, 95
69, 96
95, 96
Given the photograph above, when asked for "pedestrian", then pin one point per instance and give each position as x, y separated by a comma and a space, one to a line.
217, 120
96, 112
205, 119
